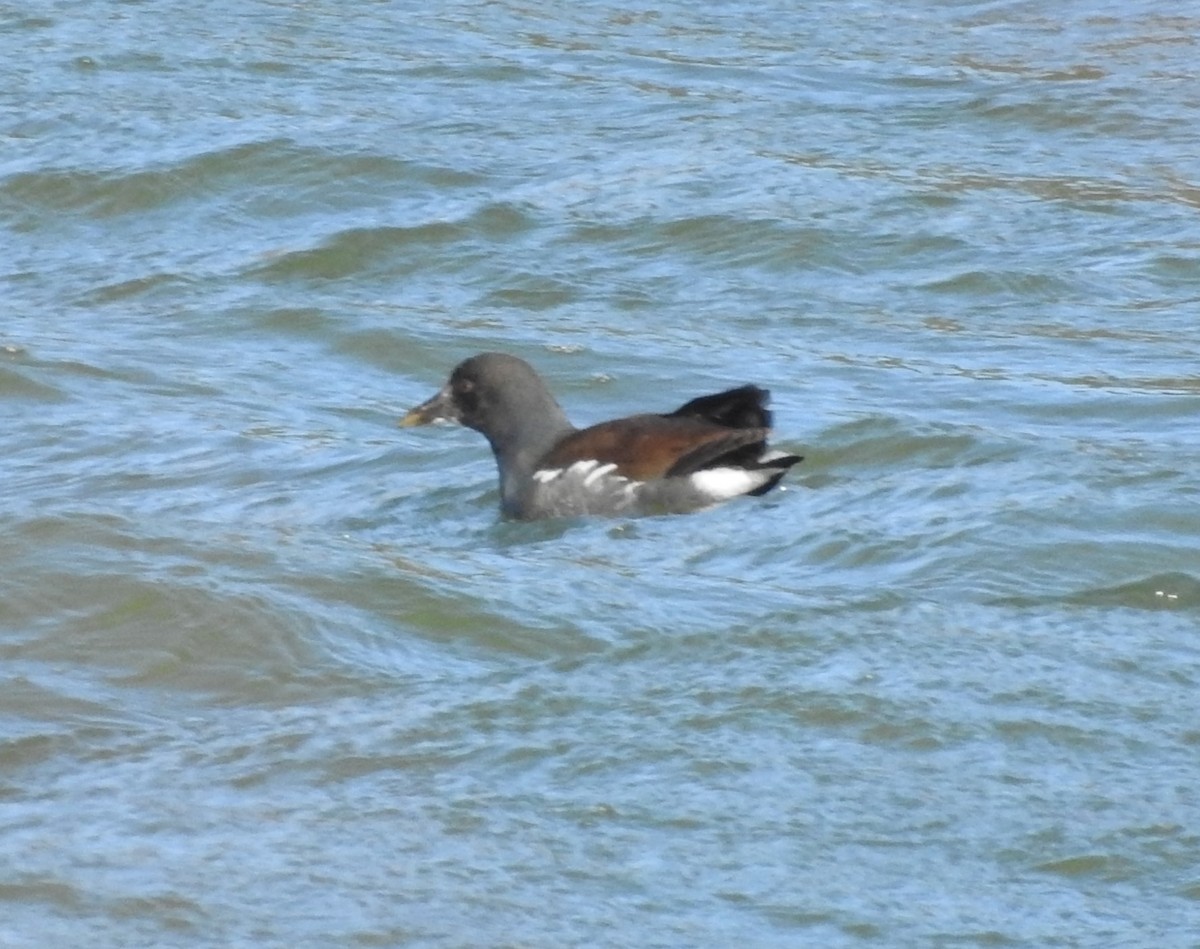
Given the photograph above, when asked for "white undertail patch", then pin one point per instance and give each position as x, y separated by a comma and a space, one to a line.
720, 484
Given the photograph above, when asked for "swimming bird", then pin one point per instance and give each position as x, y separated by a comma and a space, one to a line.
707, 451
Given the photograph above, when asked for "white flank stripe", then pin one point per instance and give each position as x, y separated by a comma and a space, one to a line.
598, 474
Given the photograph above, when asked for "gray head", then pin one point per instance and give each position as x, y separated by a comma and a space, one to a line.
502, 397
491, 393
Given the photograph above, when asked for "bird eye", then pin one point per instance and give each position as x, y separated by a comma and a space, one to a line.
465, 395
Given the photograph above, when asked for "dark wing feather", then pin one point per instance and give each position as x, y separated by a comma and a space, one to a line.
725, 429
645, 447
648, 446
726, 447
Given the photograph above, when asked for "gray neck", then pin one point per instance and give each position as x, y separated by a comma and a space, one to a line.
531, 432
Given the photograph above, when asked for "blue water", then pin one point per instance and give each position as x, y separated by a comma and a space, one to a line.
276, 673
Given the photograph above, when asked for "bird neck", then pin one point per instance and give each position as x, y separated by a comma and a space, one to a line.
527, 437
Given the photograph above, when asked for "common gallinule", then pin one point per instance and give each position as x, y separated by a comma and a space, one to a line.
709, 450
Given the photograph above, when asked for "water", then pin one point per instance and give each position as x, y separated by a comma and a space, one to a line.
276, 673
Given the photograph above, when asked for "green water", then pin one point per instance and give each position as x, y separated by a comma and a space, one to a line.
275, 673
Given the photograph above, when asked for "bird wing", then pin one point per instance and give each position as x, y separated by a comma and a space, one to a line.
646, 447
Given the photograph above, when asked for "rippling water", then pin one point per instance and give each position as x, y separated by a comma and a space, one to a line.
276, 673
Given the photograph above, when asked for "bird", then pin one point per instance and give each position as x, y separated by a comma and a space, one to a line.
707, 451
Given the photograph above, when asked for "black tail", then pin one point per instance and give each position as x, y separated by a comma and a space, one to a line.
781, 463
744, 407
